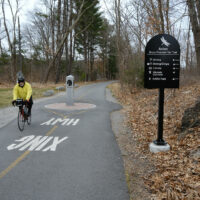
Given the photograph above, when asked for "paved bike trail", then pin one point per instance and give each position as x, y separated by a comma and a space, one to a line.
64, 155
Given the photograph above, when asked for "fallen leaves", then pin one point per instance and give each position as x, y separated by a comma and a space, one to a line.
177, 173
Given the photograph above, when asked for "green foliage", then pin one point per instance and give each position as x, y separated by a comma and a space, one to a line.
134, 77
112, 66
108, 50
78, 72
4, 59
82, 76
42, 15
140, 77
89, 26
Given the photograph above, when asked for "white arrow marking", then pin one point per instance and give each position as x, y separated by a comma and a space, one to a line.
56, 141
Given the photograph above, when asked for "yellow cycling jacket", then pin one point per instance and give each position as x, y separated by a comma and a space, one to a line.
22, 93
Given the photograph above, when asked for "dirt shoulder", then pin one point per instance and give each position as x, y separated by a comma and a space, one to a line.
135, 163
170, 175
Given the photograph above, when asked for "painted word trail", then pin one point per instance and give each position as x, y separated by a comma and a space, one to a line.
36, 143
63, 122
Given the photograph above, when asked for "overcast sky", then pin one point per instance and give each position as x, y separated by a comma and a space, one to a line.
28, 6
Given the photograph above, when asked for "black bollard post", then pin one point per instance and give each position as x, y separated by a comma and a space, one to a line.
160, 140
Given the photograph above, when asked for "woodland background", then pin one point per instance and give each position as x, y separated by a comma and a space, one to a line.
91, 41
107, 41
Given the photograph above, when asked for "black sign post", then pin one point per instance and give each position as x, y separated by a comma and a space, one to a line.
162, 68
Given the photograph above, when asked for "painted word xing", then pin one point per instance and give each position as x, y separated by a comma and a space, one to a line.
36, 143
63, 122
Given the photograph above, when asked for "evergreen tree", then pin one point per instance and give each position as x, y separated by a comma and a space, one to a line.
88, 34
108, 51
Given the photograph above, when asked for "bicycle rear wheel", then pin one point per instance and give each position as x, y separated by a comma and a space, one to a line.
21, 121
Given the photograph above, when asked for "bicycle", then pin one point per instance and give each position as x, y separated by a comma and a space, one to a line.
23, 116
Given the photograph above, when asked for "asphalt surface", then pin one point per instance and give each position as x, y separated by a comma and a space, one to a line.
64, 155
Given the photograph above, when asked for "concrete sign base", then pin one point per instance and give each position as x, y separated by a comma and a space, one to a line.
158, 148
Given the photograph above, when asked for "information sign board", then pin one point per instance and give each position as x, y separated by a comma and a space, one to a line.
162, 62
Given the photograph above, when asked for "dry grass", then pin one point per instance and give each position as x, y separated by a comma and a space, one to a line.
38, 89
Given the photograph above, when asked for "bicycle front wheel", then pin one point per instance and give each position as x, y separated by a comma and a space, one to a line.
21, 121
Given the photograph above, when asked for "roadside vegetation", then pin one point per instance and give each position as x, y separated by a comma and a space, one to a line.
170, 175
95, 42
6, 92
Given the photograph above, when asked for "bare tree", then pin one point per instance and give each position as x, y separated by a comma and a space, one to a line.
118, 23
63, 40
71, 39
66, 16
187, 49
2, 36
11, 33
20, 49
58, 60
158, 15
194, 13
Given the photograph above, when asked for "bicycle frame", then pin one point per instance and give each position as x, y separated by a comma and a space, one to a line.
22, 116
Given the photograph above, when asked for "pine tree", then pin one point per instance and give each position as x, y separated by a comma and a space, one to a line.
88, 34
108, 50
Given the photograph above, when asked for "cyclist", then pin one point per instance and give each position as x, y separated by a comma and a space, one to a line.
23, 90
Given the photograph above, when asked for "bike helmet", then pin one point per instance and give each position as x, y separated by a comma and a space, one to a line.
20, 79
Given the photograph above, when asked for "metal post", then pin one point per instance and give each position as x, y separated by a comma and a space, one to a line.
160, 140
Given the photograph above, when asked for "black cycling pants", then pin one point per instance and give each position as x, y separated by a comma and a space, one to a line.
30, 103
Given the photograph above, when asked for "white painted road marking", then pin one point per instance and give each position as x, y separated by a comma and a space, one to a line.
36, 143
48, 122
33, 143
63, 122
56, 141
23, 141
43, 144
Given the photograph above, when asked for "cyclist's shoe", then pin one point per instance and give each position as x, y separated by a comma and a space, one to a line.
29, 113
25, 110
25, 117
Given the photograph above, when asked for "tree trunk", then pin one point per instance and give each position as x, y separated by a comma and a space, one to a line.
118, 37
52, 38
194, 10
58, 60
71, 40
187, 50
10, 43
65, 27
62, 43
162, 30
20, 55
167, 17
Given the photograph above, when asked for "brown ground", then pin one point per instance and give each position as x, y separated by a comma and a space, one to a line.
135, 163
170, 175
